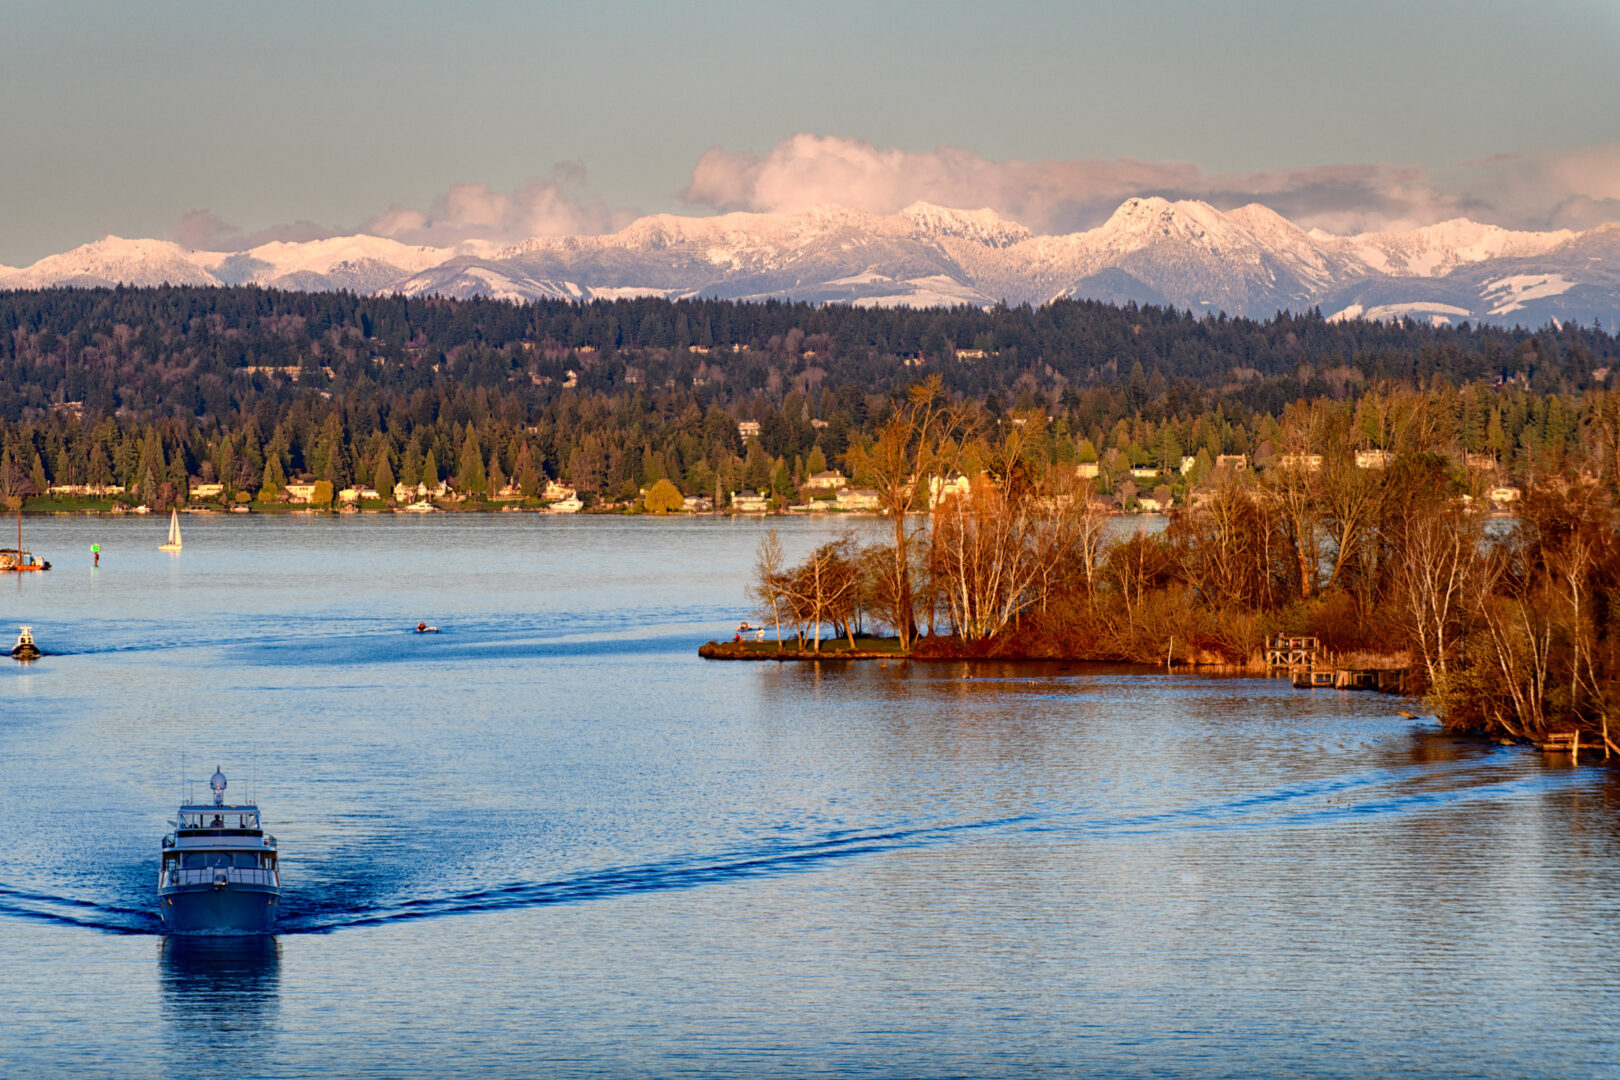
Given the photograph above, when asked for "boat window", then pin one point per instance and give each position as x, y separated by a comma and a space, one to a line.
247, 858
194, 859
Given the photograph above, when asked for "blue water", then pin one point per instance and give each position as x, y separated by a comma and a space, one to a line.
552, 841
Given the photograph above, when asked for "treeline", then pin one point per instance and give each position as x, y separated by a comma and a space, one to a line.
157, 389
1510, 625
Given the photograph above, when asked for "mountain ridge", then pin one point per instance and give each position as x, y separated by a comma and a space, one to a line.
1248, 261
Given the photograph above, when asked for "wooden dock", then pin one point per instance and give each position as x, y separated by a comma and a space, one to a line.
1383, 680
1562, 742
1294, 652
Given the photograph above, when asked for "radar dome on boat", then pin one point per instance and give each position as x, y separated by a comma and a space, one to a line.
217, 782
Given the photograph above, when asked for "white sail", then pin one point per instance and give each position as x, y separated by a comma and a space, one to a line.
174, 533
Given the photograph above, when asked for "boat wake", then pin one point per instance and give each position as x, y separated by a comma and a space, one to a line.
1327, 803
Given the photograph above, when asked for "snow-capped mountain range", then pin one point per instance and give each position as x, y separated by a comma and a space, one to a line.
1249, 261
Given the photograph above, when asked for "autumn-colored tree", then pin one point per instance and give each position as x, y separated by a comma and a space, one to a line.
663, 498
916, 444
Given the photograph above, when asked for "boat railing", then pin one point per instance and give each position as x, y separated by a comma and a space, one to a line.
234, 875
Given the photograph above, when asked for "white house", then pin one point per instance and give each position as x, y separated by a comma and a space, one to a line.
831, 480
1373, 459
858, 499
749, 502
940, 489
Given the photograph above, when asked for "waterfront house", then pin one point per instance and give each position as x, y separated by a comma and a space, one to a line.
509, 493
1149, 505
1301, 462
556, 492
300, 492
206, 491
1373, 459
858, 499
831, 480
93, 490
941, 488
749, 502
1232, 462
358, 494
1504, 494
1086, 470
1145, 472
697, 504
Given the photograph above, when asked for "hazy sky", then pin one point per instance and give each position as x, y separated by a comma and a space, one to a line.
120, 117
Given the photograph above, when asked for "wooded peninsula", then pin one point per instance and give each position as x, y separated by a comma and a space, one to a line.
1326, 478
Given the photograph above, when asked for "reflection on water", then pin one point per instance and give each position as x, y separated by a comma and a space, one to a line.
219, 994
552, 841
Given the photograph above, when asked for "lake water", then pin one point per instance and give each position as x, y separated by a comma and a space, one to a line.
552, 841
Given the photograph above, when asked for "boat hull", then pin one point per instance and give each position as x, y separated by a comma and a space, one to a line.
233, 909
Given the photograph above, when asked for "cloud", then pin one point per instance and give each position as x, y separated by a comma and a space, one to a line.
204, 230
542, 207
545, 206
1575, 189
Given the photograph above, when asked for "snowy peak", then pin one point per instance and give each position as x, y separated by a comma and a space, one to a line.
1187, 254
1153, 220
983, 226
1436, 250
110, 261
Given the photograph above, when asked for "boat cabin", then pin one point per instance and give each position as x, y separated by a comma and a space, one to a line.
213, 820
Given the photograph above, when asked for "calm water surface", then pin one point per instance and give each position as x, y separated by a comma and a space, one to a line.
552, 841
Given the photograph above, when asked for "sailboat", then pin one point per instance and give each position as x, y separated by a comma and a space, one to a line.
174, 533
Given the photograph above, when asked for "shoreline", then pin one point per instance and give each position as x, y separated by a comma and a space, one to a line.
839, 649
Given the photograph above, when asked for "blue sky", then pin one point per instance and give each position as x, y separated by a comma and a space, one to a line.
123, 118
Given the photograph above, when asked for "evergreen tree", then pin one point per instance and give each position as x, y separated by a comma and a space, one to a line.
470, 476
526, 473
410, 469
497, 479
275, 478
383, 478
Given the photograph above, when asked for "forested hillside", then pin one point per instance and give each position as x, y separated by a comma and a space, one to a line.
249, 387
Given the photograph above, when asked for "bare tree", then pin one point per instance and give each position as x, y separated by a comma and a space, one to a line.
1434, 554
913, 446
768, 584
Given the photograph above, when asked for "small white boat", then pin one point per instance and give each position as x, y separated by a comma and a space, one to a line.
421, 506
25, 648
173, 543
